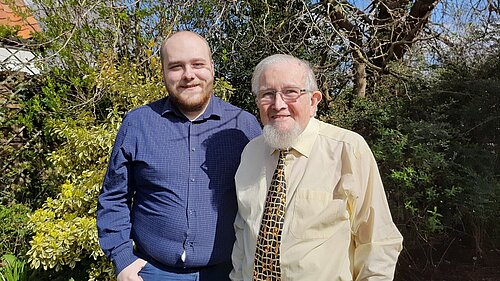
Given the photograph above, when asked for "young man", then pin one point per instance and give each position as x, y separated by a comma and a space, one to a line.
167, 205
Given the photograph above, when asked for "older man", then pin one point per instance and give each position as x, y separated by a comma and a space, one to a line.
319, 214
167, 205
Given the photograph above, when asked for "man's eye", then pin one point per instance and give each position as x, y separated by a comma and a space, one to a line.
291, 92
269, 94
175, 67
198, 65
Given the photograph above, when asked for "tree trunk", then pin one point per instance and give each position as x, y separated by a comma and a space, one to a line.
359, 78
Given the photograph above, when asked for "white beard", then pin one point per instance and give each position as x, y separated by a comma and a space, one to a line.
280, 139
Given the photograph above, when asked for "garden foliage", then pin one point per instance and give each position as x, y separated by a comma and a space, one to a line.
435, 136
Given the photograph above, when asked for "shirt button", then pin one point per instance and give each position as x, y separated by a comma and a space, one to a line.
192, 179
193, 149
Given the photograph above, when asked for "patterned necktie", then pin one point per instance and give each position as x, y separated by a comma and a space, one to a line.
267, 253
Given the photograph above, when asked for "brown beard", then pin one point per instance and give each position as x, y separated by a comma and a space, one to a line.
191, 106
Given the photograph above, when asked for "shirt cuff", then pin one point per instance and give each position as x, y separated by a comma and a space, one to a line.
123, 259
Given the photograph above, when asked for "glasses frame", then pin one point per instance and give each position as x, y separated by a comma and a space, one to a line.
285, 98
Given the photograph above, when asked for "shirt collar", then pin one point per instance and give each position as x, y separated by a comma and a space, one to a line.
306, 139
213, 109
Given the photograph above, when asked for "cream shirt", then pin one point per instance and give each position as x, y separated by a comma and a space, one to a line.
337, 225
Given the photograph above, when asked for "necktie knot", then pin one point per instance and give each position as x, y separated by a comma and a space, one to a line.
284, 153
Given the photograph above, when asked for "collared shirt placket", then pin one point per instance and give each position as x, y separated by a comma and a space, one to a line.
194, 150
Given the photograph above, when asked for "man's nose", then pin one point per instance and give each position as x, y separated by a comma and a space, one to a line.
279, 103
188, 72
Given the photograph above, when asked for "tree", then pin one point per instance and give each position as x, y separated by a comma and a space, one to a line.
350, 46
380, 35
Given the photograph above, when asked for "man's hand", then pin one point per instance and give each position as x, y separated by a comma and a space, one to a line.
131, 272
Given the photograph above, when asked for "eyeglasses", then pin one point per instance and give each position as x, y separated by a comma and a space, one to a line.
289, 94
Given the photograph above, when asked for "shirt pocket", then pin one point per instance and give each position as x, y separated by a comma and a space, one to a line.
318, 215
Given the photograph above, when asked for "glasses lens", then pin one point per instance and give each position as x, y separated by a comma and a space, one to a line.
290, 94
266, 96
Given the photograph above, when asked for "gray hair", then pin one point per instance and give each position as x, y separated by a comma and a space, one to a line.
310, 83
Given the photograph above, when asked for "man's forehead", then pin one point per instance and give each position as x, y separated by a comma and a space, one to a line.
286, 67
186, 46
288, 71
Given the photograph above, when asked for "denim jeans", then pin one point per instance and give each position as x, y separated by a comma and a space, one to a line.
219, 272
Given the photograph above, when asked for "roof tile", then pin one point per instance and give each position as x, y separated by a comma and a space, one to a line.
8, 17
3, 14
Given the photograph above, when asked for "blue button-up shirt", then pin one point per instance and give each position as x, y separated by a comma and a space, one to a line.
169, 186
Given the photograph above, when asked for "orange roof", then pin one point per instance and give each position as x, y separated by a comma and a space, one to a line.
11, 18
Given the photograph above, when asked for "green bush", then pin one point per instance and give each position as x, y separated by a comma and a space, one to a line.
65, 228
14, 231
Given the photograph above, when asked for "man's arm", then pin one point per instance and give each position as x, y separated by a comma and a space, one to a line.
376, 238
113, 209
238, 250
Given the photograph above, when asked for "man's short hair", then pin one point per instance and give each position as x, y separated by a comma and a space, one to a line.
162, 46
310, 83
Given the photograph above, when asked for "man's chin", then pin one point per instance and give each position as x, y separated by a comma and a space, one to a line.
194, 104
282, 127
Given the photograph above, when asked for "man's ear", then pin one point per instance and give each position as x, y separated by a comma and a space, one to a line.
316, 97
